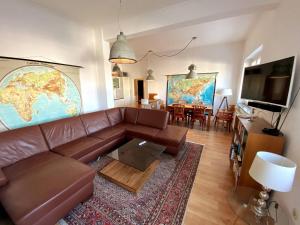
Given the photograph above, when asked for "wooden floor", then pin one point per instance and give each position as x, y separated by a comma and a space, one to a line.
208, 203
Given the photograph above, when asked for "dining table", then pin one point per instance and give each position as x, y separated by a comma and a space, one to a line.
189, 107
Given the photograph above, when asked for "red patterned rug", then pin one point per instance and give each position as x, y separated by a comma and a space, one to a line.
162, 200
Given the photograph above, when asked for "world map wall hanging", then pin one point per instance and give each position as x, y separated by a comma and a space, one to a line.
34, 92
201, 88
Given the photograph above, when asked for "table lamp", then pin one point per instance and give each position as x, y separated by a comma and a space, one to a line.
273, 172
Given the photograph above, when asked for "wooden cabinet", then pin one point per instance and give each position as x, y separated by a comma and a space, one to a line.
247, 140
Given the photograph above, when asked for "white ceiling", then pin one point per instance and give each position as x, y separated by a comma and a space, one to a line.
99, 12
163, 25
215, 32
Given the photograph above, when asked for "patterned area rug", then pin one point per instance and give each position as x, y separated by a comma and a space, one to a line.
162, 200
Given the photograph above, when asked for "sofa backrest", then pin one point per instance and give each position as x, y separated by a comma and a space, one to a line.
20, 144
63, 131
114, 116
153, 118
95, 121
130, 115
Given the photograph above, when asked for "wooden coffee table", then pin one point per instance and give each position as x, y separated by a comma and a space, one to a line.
133, 164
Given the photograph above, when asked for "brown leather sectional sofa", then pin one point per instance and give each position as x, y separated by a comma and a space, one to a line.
42, 176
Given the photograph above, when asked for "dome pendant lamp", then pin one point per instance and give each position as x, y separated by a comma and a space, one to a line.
192, 74
149, 75
116, 71
120, 51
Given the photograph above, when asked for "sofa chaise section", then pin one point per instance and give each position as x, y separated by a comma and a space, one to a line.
173, 137
42, 186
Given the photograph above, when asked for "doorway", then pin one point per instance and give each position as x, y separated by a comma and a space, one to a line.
139, 90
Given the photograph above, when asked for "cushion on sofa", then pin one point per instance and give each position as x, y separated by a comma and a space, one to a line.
20, 144
114, 116
111, 133
79, 148
141, 131
62, 131
172, 135
30, 197
130, 115
153, 118
95, 121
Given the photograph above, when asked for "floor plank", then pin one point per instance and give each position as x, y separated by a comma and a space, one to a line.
208, 203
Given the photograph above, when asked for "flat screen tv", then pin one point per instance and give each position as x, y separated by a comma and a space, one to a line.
270, 83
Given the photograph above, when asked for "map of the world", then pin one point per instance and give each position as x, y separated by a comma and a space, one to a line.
36, 94
200, 89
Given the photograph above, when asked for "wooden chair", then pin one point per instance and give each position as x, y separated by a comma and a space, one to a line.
178, 112
225, 118
231, 108
199, 114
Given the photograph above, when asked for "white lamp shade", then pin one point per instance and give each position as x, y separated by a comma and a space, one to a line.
273, 171
224, 92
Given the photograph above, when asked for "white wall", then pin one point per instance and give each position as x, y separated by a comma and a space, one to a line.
223, 58
27, 30
279, 33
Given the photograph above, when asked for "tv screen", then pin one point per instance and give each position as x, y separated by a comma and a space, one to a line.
270, 82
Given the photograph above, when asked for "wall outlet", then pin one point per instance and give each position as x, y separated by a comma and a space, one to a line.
295, 214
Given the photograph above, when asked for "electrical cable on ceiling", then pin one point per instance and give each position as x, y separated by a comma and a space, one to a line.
171, 55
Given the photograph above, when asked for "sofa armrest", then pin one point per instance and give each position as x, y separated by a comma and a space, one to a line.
3, 179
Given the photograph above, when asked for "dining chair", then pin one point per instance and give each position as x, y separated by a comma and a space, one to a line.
178, 112
225, 118
199, 114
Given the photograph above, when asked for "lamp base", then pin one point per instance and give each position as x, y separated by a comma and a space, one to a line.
259, 211
260, 207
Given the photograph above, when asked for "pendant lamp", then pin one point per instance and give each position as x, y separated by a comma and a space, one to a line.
116, 71
120, 51
149, 75
192, 74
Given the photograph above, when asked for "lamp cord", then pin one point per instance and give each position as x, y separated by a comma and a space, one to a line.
119, 15
164, 55
293, 101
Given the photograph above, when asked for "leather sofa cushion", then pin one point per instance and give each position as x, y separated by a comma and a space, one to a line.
20, 144
62, 131
114, 116
95, 121
172, 135
3, 179
141, 131
130, 115
153, 118
29, 165
28, 197
111, 133
79, 148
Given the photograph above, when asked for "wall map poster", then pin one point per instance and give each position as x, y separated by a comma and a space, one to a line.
201, 88
33, 92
